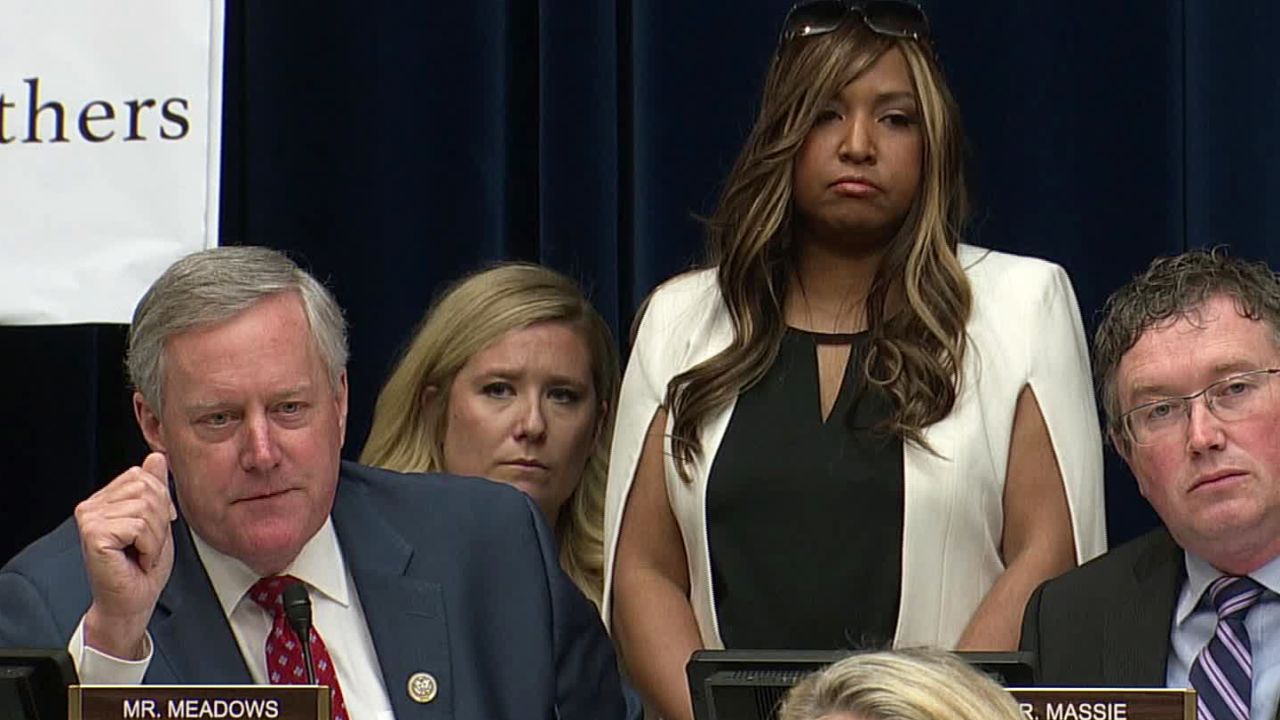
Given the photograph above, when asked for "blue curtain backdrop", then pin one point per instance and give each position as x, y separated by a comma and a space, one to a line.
393, 146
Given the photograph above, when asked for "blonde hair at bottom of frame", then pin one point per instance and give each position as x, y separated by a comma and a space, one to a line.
908, 684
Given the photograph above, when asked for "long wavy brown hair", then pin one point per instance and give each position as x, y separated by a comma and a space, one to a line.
917, 345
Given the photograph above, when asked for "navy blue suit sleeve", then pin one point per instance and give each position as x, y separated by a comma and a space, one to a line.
44, 592
588, 685
26, 620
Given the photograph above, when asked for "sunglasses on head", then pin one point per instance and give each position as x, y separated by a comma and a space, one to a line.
895, 18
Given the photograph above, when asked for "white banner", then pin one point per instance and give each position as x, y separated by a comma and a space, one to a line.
110, 119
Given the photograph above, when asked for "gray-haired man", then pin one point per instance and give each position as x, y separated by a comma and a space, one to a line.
433, 597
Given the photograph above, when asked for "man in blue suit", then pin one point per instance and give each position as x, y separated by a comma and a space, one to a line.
433, 597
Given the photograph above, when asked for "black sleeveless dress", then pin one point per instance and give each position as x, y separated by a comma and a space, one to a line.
805, 517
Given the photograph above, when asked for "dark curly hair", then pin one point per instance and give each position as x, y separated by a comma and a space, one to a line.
1170, 289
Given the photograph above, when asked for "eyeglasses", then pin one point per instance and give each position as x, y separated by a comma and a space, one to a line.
896, 18
1238, 397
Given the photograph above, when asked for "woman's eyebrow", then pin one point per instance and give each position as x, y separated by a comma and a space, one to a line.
895, 96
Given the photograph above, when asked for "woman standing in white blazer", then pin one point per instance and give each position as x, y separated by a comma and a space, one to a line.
850, 429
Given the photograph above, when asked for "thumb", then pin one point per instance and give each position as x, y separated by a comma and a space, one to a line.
157, 465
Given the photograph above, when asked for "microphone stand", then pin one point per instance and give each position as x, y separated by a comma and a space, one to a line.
297, 610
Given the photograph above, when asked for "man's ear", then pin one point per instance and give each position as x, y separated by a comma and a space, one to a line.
340, 400
1125, 450
149, 422
1117, 439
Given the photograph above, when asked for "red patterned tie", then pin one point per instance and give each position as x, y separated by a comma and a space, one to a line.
285, 663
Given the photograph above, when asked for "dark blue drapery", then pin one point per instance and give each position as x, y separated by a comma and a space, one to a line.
392, 146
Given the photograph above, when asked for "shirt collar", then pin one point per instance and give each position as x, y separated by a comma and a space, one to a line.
1200, 573
319, 564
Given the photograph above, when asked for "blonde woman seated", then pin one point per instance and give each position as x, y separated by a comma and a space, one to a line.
915, 684
512, 377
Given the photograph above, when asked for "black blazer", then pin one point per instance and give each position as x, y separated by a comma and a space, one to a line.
1107, 623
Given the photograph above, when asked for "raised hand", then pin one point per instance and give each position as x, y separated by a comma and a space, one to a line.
127, 541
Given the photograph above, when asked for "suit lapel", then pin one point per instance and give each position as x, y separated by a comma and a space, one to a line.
193, 640
1138, 629
405, 615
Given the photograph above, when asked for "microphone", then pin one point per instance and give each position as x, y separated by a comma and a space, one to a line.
297, 610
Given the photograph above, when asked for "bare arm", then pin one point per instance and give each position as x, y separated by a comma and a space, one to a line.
653, 621
1037, 543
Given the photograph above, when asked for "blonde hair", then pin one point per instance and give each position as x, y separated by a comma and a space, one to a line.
409, 421
911, 684
916, 351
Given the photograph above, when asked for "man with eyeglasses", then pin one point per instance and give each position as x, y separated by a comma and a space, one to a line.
1188, 358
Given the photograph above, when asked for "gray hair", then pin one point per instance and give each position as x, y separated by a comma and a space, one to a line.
214, 285
1170, 289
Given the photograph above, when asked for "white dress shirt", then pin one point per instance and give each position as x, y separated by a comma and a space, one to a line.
336, 614
1195, 620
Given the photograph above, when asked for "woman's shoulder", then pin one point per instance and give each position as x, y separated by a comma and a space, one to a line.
681, 316
691, 296
1017, 299
691, 286
1000, 275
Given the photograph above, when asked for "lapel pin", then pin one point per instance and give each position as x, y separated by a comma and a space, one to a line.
422, 687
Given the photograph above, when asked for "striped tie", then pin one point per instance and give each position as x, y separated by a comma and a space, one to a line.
1222, 674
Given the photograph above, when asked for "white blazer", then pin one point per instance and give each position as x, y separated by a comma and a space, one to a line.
1024, 330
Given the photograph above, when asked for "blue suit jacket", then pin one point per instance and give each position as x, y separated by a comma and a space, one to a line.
457, 577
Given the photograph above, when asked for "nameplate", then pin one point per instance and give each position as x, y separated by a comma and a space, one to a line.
1106, 704
198, 702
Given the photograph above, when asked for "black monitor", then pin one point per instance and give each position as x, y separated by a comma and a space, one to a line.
33, 684
749, 684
